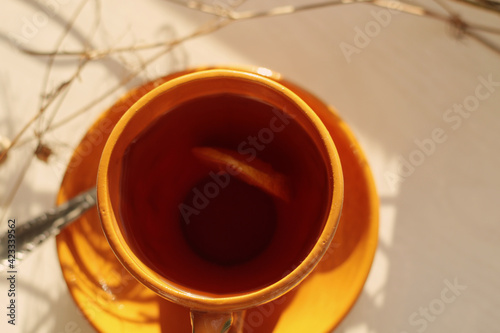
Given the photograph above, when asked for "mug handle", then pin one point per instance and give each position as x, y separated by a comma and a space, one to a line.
217, 322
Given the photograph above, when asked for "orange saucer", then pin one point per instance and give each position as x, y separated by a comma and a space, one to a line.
113, 301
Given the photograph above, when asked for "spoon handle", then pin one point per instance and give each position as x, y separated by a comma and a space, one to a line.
34, 232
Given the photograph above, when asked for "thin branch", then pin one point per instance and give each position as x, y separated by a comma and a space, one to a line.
457, 21
446, 7
97, 54
206, 29
233, 15
492, 6
64, 87
209, 28
44, 106
81, 64
290, 9
228, 14
67, 29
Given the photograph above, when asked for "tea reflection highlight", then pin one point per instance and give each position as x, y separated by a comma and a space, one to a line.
230, 193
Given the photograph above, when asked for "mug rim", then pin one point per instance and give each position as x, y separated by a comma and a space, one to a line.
161, 285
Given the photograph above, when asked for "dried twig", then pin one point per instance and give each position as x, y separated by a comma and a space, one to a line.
462, 28
230, 14
82, 62
206, 29
46, 99
492, 6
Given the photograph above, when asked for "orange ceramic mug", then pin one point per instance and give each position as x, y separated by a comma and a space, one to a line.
220, 190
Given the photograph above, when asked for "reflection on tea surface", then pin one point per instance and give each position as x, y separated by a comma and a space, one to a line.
211, 230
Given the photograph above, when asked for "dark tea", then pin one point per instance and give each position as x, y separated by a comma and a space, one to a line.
209, 226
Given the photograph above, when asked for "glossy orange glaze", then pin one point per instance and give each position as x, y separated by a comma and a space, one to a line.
111, 299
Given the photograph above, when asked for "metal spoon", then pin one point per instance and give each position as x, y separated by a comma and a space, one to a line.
34, 232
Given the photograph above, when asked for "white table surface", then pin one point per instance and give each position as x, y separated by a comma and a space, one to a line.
439, 221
